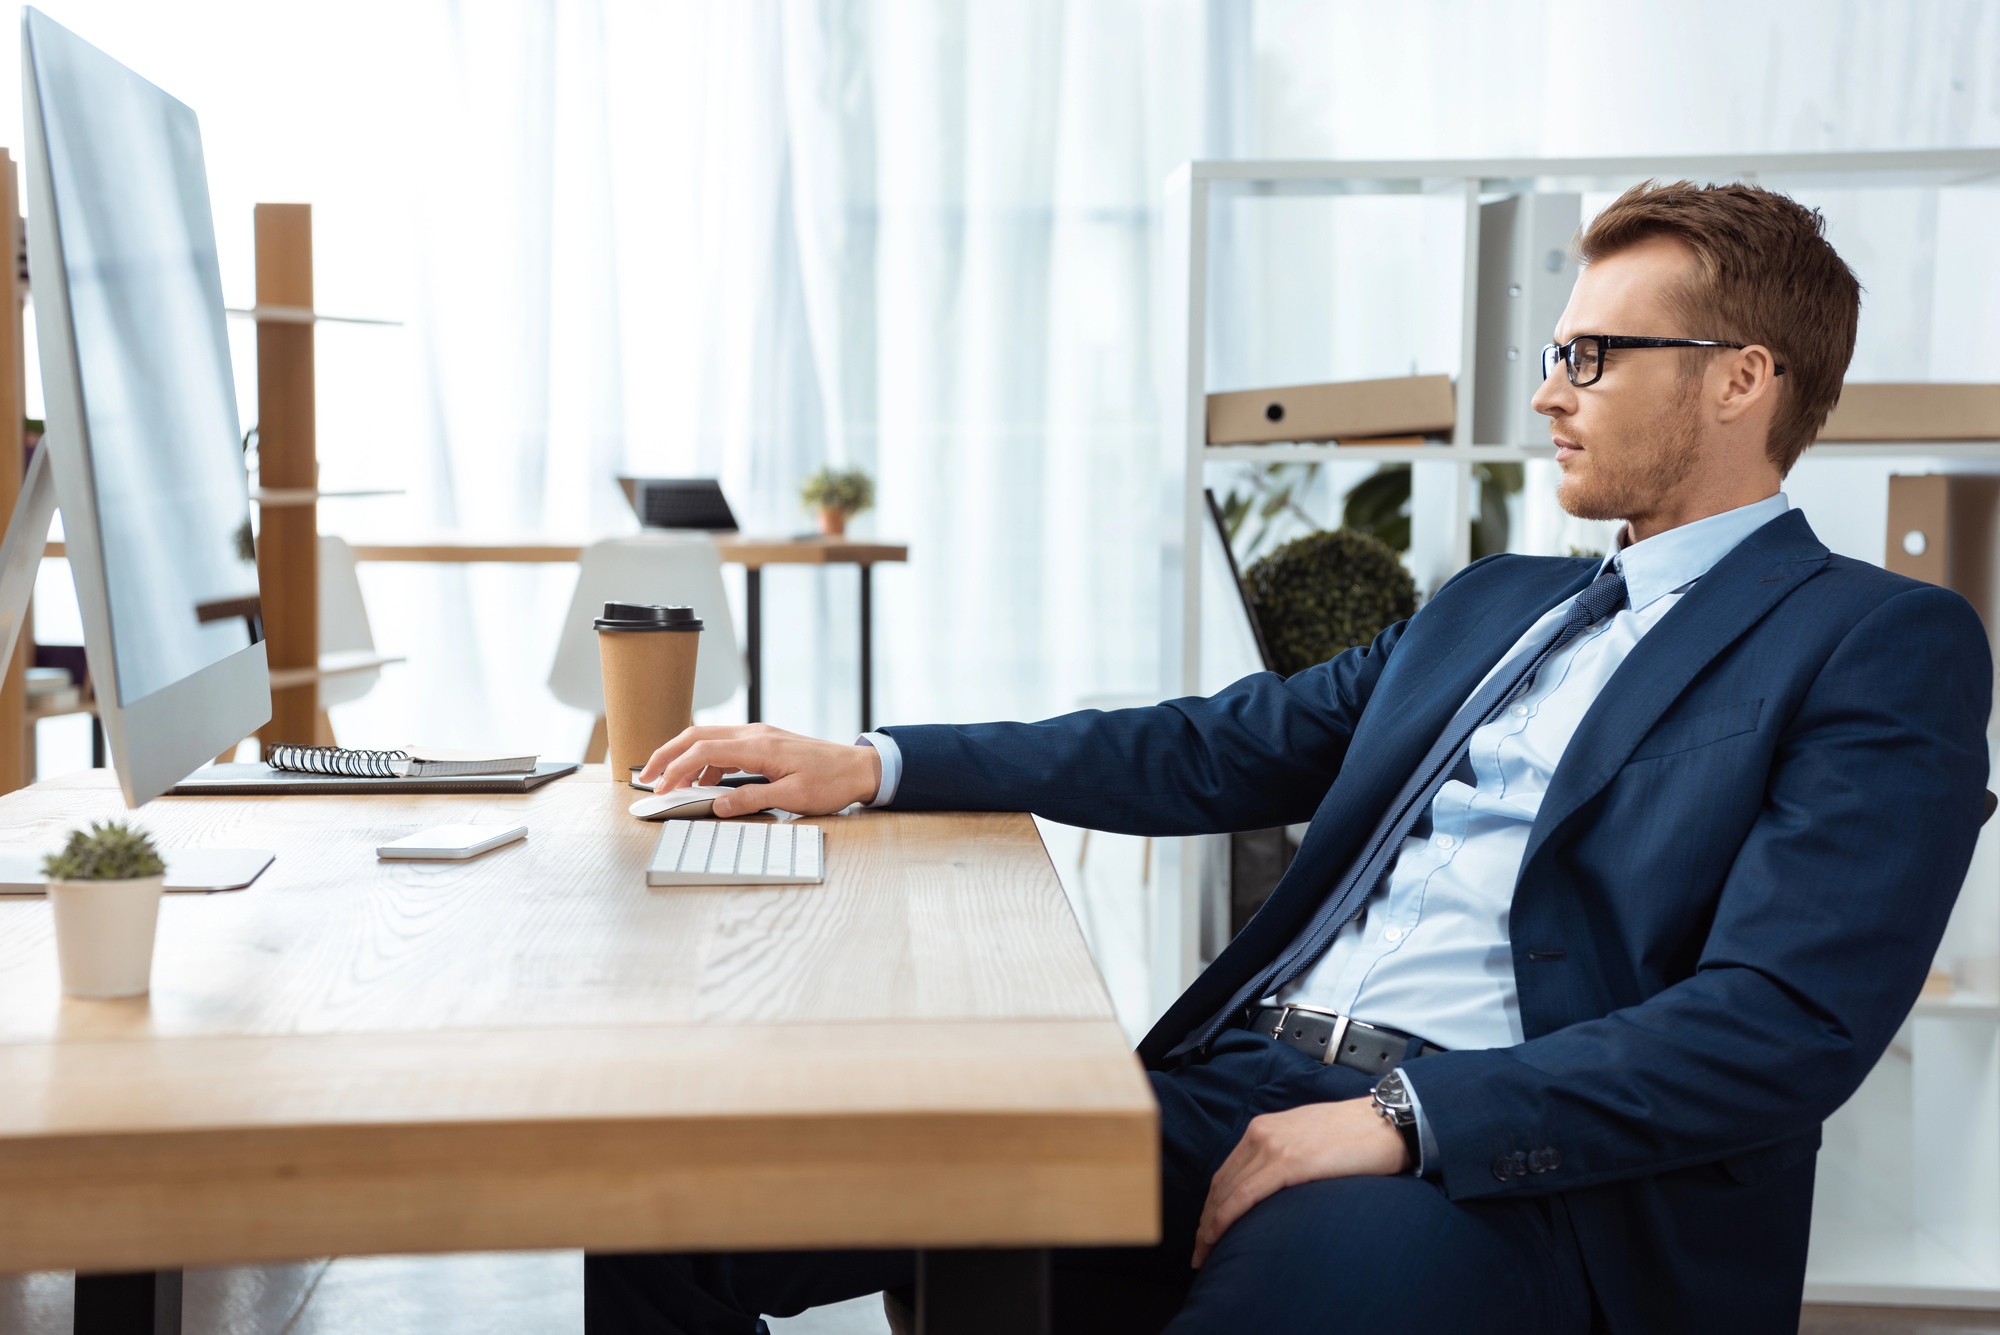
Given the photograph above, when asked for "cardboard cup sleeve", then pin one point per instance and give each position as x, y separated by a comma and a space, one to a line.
648, 686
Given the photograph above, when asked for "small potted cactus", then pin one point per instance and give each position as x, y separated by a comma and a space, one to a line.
105, 888
838, 495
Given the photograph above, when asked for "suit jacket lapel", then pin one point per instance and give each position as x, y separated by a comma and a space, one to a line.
1744, 586
1398, 726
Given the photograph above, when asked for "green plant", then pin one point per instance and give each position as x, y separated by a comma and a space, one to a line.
1322, 594
1379, 505
848, 491
1272, 487
109, 851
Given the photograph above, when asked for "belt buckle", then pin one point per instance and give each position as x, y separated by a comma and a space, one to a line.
1340, 1023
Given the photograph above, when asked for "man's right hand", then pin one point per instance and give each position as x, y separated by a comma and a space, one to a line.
807, 776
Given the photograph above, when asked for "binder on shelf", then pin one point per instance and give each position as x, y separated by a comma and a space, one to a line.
1872, 411
1942, 530
1342, 410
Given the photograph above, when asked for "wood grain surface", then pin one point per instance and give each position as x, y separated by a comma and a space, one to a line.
531, 551
533, 1049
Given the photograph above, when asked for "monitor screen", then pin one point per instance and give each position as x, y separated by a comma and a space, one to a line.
152, 360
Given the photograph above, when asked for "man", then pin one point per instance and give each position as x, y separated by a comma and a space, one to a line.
1620, 874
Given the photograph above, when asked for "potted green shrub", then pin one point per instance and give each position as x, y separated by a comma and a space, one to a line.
1324, 593
105, 888
838, 494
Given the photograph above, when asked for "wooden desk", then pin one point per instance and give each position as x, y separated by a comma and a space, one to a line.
753, 554
533, 1050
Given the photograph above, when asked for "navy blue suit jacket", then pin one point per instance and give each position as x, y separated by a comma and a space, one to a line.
1727, 906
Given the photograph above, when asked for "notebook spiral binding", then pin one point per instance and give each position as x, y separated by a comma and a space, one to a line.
335, 760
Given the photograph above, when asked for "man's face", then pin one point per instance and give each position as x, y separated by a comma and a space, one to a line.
1628, 443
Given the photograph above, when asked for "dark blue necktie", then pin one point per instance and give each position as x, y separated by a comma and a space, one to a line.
1602, 599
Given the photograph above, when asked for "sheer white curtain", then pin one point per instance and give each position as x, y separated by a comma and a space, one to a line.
918, 238
746, 239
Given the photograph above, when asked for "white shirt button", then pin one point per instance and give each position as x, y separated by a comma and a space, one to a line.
1520, 711
1393, 934
1446, 842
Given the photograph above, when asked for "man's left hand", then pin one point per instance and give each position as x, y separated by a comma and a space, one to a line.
1303, 1144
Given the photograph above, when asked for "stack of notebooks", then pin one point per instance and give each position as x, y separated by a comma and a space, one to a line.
415, 769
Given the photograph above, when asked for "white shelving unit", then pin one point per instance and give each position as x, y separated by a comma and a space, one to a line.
1909, 1209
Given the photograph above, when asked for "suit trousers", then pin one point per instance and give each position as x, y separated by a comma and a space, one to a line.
1346, 1254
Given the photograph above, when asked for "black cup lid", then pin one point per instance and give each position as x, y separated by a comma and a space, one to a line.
647, 616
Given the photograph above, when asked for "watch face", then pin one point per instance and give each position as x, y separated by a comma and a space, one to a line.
1389, 1090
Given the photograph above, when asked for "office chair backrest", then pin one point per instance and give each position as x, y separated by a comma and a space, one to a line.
677, 570
343, 621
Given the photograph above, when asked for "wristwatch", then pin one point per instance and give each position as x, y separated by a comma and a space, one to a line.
1392, 1100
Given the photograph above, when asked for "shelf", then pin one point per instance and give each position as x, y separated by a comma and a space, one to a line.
1865, 1246
1892, 168
1957, 1006
269, 314
332, 665
1865, 1251
38, 708
1472, 454
272, 498
1400, 454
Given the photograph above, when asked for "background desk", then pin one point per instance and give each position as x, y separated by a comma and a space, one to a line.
753, 554
533, 1050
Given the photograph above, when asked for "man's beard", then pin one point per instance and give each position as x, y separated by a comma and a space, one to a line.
1643, 478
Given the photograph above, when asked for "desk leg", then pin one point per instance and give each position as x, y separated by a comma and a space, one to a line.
867, 648
753, 638
147, 1303
983, 1292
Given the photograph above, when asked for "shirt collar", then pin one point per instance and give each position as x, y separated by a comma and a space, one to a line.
1667, 561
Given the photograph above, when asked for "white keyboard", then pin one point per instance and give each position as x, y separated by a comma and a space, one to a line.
714, 852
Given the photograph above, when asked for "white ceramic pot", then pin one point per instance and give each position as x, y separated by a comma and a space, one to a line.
104, 934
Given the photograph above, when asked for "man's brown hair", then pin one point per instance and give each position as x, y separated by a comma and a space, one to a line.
1765, 274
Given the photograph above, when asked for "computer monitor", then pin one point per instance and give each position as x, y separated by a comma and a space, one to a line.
142, 450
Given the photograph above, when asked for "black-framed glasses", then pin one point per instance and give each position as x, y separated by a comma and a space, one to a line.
1583, 356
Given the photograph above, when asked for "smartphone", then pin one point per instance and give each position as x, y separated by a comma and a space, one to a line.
452, 841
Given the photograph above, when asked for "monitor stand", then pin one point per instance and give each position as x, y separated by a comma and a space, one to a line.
196, 870
190, 871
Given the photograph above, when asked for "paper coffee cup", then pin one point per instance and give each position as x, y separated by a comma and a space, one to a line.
648, 655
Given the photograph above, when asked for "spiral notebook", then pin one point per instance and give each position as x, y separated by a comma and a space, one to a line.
328, 769
415, 762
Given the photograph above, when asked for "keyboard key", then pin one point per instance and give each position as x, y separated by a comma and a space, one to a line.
694, 854
750, 860
720, 853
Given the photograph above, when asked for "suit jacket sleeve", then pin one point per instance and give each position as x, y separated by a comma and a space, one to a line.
1824, 928
1262, 752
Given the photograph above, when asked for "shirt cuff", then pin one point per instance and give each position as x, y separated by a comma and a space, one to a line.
1427, 1150
892, 765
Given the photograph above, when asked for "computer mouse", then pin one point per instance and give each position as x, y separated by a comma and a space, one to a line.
680, 804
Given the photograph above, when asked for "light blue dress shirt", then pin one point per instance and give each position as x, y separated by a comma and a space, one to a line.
892, 765
1429, 953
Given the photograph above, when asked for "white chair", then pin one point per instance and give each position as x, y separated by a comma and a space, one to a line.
677, 571
343, 628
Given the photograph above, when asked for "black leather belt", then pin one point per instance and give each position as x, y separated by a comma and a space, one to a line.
1339, 1041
